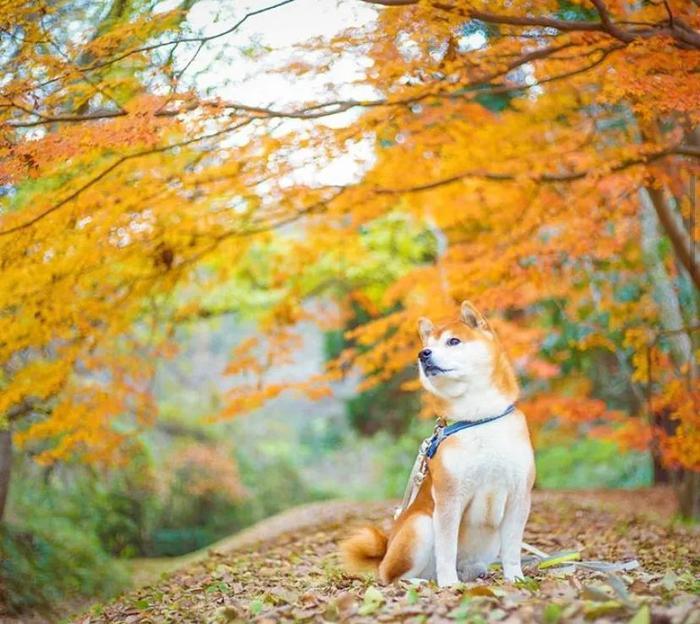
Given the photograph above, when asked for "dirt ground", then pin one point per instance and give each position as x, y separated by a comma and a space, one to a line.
286, 569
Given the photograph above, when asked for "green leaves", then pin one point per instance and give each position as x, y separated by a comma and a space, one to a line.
372, 601
411, 596
559, 559
643, 616
552, 613
256, 606
528, 583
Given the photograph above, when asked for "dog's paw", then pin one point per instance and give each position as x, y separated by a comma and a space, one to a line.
447, 580
513, 574
471, 571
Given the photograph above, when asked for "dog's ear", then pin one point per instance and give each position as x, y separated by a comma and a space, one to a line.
425, 327
472, 317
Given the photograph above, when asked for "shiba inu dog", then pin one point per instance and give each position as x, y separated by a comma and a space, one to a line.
471, 508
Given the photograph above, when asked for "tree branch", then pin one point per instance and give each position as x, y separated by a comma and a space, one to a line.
546, 178
174, 42
116, 164
326, 109
686, 37
608, 25
48, 119
683, 244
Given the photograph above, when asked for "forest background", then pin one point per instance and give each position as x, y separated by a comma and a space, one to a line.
220, 222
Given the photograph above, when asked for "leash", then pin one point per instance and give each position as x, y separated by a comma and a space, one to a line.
429, 447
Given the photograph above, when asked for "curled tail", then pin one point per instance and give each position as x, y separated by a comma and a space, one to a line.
364, 550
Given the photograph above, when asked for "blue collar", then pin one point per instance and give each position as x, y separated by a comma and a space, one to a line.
444, 432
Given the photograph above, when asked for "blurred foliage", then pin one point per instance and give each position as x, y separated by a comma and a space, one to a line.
397, 457
50, 559
385, 406
591, 463
73, 524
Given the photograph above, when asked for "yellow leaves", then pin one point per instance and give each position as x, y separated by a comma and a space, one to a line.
246, 398
89, 403
596, 341
244, 359
504, 174
41, 379
373, 331
316, 388
638, 339
79, 427
270, 353
682, 400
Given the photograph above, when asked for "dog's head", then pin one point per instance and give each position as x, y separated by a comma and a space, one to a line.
463, 354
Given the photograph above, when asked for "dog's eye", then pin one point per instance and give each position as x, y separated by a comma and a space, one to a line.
453, 341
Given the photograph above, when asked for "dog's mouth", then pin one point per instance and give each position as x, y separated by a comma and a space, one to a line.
432, 370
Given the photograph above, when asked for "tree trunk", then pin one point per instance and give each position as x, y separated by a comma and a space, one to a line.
665, 294
5, 467
671, 317
688, 489
661, 473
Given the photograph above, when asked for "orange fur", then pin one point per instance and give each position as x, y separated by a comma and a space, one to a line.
440, 476
402, 537
503, 374
370, 548
364, 550
398, 559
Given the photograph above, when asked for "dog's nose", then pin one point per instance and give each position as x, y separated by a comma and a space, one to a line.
424, 354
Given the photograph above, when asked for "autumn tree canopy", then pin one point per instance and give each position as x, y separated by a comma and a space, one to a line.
537, 158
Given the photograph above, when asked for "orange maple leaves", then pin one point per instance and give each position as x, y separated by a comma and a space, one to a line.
499, 159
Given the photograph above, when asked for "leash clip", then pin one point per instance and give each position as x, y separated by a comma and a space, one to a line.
438, 434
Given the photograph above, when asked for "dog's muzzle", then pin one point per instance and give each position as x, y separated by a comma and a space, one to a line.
425, 357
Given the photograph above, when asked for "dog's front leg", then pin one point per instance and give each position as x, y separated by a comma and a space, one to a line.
512, 529
446, 518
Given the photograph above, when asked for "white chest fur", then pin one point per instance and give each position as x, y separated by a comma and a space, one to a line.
497, 454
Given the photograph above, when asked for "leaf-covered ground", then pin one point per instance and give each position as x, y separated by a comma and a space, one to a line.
287, 570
